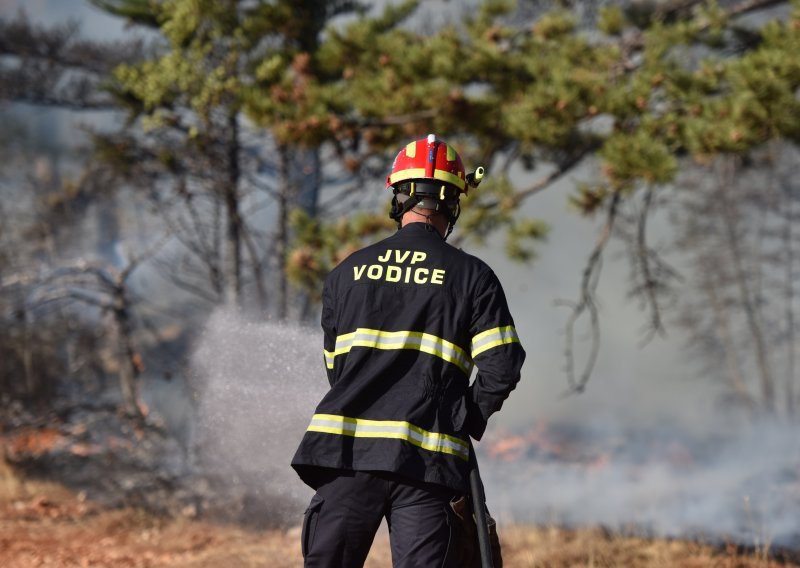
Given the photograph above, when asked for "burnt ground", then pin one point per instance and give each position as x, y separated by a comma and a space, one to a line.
45, 524
94, 488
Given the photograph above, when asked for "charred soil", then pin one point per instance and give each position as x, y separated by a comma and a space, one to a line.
45, 524
93, 488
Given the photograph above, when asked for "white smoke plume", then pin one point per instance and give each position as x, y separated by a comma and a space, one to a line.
741, 486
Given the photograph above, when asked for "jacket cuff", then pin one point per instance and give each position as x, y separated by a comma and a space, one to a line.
476, 423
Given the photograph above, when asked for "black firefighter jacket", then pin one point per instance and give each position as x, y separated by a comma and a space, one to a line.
405, 320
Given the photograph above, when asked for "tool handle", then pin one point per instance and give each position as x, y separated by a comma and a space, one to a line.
481, 522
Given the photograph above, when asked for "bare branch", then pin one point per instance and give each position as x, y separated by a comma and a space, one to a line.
650, 285
258, 267
71, 296
586, 303
168, 269
54, 67
61, 45
561, 169
725, 181
144, 256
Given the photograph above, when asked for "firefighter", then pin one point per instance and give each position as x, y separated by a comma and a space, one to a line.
404, 322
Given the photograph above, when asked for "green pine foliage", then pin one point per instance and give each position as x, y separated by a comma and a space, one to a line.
643, 90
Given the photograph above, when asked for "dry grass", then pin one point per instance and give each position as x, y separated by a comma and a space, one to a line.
555, 548
43, 524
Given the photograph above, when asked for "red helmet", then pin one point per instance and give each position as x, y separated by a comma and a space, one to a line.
429, 174
428, 159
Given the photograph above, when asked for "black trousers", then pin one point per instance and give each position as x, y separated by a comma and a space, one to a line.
342, 518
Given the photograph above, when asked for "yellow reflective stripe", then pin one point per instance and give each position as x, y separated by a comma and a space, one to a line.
411, 149
410, 173
493, 338
343, 344
451, 153
419, 173
419, 341
393, 429
450, 178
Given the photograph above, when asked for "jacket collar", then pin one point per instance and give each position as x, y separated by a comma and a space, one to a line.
419, 228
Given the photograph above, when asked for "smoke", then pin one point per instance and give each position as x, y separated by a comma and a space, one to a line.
257, 387
742, 486
652, 445
258, 384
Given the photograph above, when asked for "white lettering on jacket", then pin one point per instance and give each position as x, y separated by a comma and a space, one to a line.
396, 272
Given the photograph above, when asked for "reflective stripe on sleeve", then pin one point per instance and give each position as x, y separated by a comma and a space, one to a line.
389, 340
391, 429
493, 338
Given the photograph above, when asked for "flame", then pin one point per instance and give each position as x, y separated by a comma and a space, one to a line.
544, 442
510, 448
32, 442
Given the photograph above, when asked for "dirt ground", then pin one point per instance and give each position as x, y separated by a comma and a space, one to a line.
43, 524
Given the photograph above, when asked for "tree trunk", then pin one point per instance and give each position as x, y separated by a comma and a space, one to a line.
750, 308
233, 233
788, 238
258, 270
129, 359
723, 329
282, 239
31, 384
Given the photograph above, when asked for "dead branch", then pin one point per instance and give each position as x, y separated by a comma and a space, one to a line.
651, 284
258, 266
144, 256
104, 287
61, 45
195, 288
54, 67
562, 168
735, 376
725, 183
651, 275
586, 303
643, 258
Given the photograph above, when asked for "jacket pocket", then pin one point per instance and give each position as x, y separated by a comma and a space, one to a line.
310, 520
